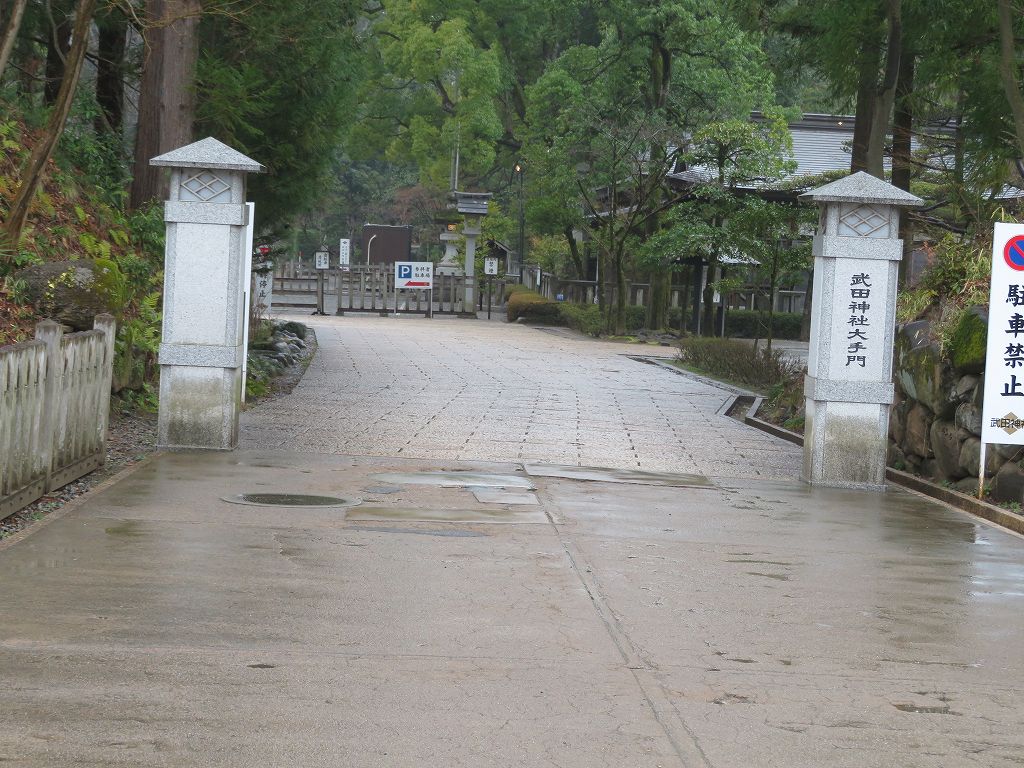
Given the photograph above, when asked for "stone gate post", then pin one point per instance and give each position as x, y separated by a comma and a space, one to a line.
202, 348
848, 390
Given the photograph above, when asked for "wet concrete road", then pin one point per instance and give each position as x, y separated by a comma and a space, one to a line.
542, 617
743, 623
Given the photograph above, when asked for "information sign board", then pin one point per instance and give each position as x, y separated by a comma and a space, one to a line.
323, 259
490, 265
1003, 408
344, 252
416, 275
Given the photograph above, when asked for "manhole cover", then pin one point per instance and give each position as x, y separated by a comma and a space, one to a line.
290, 500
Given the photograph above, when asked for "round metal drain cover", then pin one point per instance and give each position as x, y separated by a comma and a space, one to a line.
290, 500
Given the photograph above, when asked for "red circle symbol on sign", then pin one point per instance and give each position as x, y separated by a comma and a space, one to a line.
1013, 253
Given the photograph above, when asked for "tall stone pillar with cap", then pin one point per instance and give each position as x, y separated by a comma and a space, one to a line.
201, 352
848, 390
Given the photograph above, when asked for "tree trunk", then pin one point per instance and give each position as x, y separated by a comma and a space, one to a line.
113, 39
1008, 71
866, 102
32, 176
660, 292
57, 48
574, 254
166, 98
886, 92
902, 132
11, 33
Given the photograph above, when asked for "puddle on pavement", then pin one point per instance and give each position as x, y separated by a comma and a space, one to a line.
408, 514
289, 500
450, 533
456, 479
504, 496
128, 529
609, 475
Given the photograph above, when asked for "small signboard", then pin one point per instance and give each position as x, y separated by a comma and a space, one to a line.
344, 252
490, 265
323, 259
1003, 408
416, 275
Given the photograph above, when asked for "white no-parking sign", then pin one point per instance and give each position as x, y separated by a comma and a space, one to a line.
1003, 410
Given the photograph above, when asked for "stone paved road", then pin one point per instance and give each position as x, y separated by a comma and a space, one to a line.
473, 390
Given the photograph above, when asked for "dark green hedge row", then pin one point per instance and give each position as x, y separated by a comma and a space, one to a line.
750, 324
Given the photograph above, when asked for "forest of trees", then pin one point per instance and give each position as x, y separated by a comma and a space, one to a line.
358, 107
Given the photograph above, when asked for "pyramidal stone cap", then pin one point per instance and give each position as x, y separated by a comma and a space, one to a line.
208, 153
862, 187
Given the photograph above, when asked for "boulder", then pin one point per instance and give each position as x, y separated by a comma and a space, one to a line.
71, 292
1008, 484
896, 458
965, 387
970, 455
919, 422
1008, 451
946, 441
966, 346
968, 417
898, 421
921, 371
968, 485
914, 464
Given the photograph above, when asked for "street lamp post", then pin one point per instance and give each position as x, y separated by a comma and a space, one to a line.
522, 225
368, 244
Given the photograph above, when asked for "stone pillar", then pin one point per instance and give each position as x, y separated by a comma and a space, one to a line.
202, 347
848, 390
471, 231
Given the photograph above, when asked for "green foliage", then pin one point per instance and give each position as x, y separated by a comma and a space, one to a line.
585, 318
967, 342
911, 304
533, 308
276, 81
753, 324
738, 362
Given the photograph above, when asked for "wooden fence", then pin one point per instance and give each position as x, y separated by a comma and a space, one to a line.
362, 288
54, 410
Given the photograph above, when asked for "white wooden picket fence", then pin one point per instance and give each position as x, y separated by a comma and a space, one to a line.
54, 409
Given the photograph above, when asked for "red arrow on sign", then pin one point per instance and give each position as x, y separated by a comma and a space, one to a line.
412, 284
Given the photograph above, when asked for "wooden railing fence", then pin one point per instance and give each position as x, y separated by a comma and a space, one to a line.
54, 409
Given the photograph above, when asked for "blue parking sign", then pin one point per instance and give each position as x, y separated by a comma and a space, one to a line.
404, 271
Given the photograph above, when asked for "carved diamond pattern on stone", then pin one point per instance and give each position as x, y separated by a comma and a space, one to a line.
205, 187
864, 221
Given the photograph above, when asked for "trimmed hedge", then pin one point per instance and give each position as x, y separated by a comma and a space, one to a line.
533, 308
736, 361
749, 324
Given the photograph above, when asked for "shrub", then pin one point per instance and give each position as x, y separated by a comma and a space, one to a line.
533, 308
751, 324
513, 288
585, 318
736, 361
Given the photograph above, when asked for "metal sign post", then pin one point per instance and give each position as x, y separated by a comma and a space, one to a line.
1002, 413
490, 269
414, 275
323, 263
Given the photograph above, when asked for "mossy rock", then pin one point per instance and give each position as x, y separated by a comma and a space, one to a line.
295, 328
966, 347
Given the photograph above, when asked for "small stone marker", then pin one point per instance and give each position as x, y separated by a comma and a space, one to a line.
204, 313
848, 390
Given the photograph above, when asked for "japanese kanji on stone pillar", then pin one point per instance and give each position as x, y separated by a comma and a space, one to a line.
202, 348
848, 390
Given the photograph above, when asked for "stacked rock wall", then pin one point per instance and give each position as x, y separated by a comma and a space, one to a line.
935, 425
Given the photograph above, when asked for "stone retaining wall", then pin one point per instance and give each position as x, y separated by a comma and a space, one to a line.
935, 426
